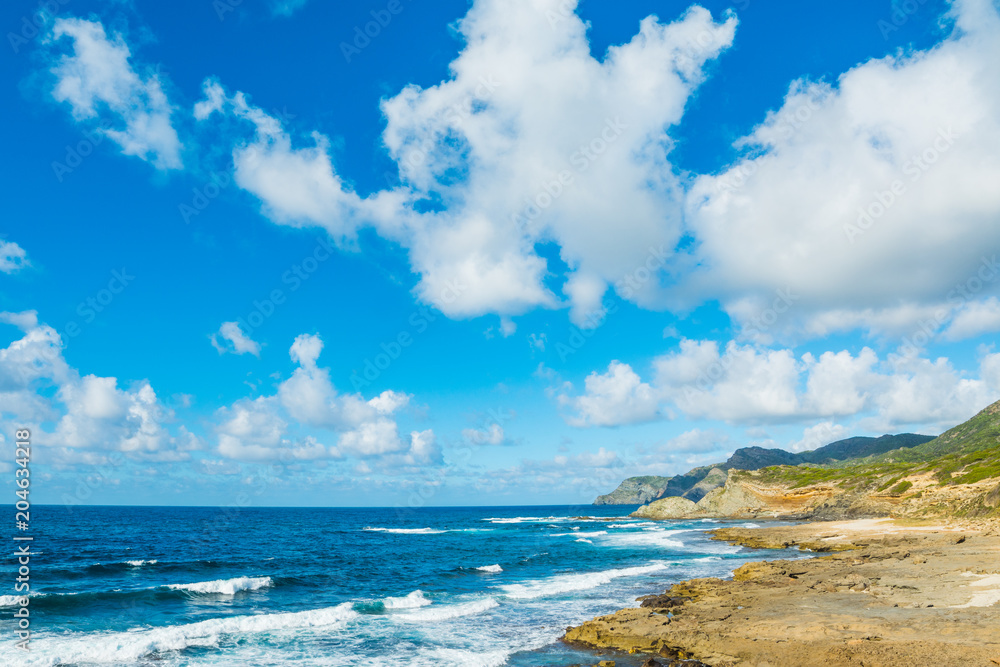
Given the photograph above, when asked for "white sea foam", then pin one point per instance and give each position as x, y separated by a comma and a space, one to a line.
10, 600
445, 612
490, 568
140, 563
630, 525
454, 657
406, 531
122, 647
647, 537
583, 539
594, 533
566, 583
411, 601
225, 586
528, 519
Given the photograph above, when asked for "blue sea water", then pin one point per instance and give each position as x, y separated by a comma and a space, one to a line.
172, 586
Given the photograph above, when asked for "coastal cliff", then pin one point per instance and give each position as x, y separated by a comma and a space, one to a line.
911, 542
954, 475
698, 482
635, 491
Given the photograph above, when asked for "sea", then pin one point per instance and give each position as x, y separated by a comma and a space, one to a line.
455, 586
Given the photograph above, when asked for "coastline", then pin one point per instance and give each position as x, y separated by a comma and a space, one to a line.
881, 593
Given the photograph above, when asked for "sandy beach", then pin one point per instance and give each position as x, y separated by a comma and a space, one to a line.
883, 593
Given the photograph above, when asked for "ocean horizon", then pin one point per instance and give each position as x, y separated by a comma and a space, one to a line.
496, 586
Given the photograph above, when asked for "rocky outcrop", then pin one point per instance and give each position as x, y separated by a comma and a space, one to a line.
715, 478
635, 491
751, 495
666, 508
696, 483
884, 595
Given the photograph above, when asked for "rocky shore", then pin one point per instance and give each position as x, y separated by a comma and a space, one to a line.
882, 593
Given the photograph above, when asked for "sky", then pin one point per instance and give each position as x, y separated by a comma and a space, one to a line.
393, 253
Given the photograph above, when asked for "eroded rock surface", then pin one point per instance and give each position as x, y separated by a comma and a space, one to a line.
885, 595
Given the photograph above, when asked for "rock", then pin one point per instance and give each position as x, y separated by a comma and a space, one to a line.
715, 478
606, 663
662, 601
635, 491
652, 663
666, 508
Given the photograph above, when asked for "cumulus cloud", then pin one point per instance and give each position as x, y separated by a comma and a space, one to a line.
488, 435
747, 384
532, 140
97, 80
90, 412
851, 187
818, 435
614, 398
307, 408
13, 258
234, 340
975, 319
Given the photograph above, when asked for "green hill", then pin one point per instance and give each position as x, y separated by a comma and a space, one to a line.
966, 454
696, 483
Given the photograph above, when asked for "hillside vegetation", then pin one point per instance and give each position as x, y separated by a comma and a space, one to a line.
955, 474
697, 483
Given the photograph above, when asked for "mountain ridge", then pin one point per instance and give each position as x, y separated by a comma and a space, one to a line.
698, 482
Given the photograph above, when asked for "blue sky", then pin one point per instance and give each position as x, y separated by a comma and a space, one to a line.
490, 253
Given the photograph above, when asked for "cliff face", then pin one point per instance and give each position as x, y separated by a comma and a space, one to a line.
954, 475
749, 495
696, 483
635, 491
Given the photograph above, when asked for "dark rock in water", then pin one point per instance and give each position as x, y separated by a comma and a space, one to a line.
652, 663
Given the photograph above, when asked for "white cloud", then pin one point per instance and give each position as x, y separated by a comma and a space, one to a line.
424, 447
97, 78
25, 321
306, 350
373, 438
307, 403
488, 435
239, 343
90, 412
819, 435
13, 258
527, 102
614, 398
745, 384
974, 319
742, 383
787, 216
